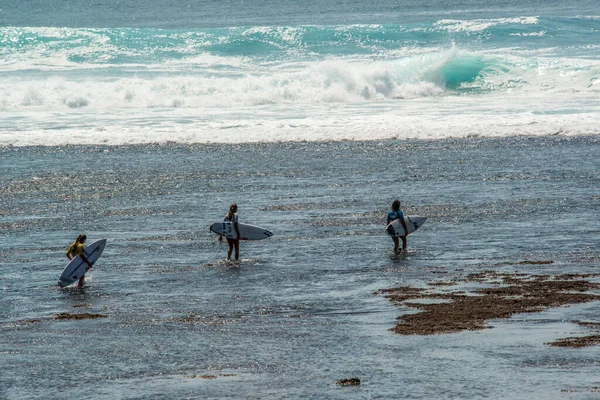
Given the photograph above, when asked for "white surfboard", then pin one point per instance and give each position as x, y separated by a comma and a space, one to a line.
76, 268
413, 222
247, 231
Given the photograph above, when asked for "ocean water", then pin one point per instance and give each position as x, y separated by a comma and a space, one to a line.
232, 72
299, 312
141, 121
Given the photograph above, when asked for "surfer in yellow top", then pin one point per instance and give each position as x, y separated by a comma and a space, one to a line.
394, 214
77, 249
233, 243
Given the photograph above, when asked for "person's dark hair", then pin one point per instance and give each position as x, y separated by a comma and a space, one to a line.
80, 239
396, 205
232, 210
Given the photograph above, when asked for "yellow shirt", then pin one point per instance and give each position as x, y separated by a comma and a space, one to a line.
76, 249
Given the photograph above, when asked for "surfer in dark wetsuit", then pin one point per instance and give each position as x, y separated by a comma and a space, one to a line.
394, 214
233, 243
77, 249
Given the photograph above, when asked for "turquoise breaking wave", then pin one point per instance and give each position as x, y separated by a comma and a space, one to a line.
449, 54
302, 69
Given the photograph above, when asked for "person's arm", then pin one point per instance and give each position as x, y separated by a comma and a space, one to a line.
84, 258
235, 226
69, 253
404, 226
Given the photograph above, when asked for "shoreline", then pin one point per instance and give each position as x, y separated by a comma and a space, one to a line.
301, 142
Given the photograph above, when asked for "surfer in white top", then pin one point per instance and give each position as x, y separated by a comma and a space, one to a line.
233, 243
394, 214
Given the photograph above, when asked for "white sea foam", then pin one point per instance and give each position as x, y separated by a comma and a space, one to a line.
180, 109
54, 96
531, 34
330, 81
424, 118
333, 81
478, 25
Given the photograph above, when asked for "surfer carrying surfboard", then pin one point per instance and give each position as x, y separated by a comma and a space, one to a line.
77, 249
396, 214
233, 243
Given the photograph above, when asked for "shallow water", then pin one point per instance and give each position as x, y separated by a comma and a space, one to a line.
298, 313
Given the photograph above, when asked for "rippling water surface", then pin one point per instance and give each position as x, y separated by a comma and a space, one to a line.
299, 312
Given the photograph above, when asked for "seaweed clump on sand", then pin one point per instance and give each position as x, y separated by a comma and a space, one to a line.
348, 382
68, 316
509, 294
580, 341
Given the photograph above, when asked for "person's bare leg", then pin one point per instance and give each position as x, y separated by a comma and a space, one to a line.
230, 244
